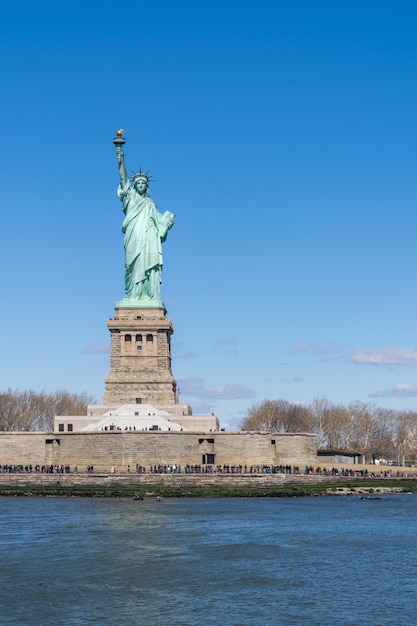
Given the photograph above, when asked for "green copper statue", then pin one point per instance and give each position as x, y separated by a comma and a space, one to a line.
145, 230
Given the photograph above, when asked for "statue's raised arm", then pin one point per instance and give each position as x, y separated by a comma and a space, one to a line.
145, 230
118, 142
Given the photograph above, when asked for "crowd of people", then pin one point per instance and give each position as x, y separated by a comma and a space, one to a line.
217, 469
162, 469
203, 469
335, 471
38, 469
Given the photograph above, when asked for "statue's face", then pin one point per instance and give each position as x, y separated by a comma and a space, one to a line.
141, 186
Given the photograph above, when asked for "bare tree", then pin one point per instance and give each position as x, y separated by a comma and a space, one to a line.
332, 424
32, 411
296, 419
278, 416
406, 436
10, 410
365, 428
372, 431
65, 403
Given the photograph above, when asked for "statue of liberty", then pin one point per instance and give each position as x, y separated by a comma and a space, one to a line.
145, 229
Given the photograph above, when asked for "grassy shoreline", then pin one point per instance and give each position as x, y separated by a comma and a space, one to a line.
374, 486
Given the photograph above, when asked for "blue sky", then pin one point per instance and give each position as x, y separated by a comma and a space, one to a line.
283, 136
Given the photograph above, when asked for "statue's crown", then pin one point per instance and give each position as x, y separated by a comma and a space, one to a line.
143, 175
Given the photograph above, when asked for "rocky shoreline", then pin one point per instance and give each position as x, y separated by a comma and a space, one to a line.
202, 485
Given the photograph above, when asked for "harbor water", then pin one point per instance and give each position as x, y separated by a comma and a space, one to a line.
189, 562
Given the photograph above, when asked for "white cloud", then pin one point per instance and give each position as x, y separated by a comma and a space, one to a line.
199, 388
401, 390
320, 349
405, 357
104, 349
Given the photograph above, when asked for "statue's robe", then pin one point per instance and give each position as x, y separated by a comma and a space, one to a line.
145, 230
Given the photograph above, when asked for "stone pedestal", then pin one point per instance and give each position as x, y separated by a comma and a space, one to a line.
140, 361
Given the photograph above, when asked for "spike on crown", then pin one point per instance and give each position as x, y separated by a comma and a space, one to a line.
138, 176
144, 175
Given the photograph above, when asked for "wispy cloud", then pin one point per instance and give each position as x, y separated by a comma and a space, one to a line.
228, 346
182, 351
323, 349
104, 349
401, 390
404, 357
294, 379
199, 388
